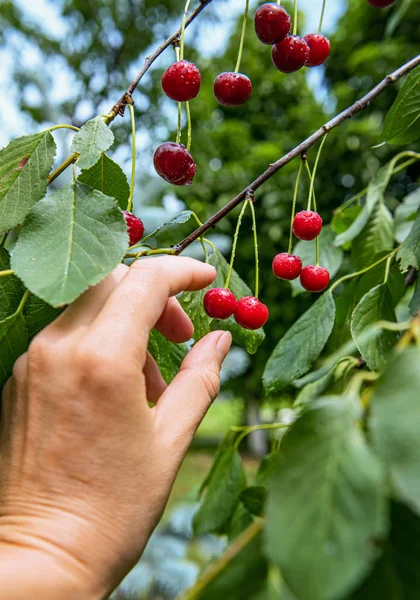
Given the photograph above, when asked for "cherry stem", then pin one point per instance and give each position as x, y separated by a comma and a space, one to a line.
387, 268
309, 208
203, 245
363, 271
6, 273
321, 20
133, 157
311, 187
295, 17
184, 21
179, 125
295, 195
246, 431
63, 126
189, 126
241, 43
235, 242
257, 264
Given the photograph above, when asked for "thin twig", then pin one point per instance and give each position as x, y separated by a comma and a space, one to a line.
352, 110
119, 107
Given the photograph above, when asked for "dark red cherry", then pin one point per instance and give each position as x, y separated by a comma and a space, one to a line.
135, 227
250, 313
272, 23
307, 225
174, 164
181, 81
232, 89
319, 49
290, 54
314, 279
219, 303
381, 3
287, 266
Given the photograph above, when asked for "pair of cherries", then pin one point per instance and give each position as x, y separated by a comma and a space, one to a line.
307, 225
290, 52
249, 312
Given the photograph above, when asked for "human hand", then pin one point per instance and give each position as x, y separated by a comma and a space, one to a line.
86, 466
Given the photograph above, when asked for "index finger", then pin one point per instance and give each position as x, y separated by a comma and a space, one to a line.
135, 306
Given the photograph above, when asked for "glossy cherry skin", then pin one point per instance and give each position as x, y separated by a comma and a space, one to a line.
272, 23
174, 164
181, 81
219, 303
314, 279
319, 49
287, 266
135, 227
232, 89
381, 3
290, 54
307, 225
251, 313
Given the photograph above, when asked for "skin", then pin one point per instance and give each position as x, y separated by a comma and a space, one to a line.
86, 466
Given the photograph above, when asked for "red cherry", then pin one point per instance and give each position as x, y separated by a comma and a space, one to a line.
174, 163
319, 49
290, 54
272, 23
135, 227
381, 3
251, 313
314, 279
287, 266
181, 81
232, 89
307, 225
219, 303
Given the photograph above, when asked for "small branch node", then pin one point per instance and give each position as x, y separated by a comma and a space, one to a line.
129, 99
250, 196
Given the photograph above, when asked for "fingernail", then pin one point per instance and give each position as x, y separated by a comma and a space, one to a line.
223, 345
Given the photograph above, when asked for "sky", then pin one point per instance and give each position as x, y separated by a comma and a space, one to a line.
11, 123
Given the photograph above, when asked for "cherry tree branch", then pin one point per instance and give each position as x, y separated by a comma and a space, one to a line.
119, 107
302, 148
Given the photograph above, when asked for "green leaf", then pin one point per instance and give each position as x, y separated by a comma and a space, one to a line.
409, 253
38, 314
267, 465
395, 422
375, 193
415, 302
327, 504
375, 306
13, 343
192, 303
24, 167
396, 575
92, 139
405, 214
344, 217
167, 355
302, 344
11, 289
397, 17
402, 123
222, 496
178, 219
253, 498
376, 237
331, 257
107, 177
72, 239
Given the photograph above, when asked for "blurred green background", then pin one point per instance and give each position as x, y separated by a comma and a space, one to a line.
68, 60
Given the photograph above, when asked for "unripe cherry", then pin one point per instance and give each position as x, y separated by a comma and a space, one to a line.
174, 164
307, 225
251, 313
181, 81
219, 303
314, 279
287, 266
135, 227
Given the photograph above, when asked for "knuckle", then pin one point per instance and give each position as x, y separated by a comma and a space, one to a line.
41, 349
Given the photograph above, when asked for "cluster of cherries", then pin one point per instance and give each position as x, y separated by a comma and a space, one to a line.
307, 226
249, 312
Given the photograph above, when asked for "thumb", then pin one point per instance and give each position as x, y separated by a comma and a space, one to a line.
183, 405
